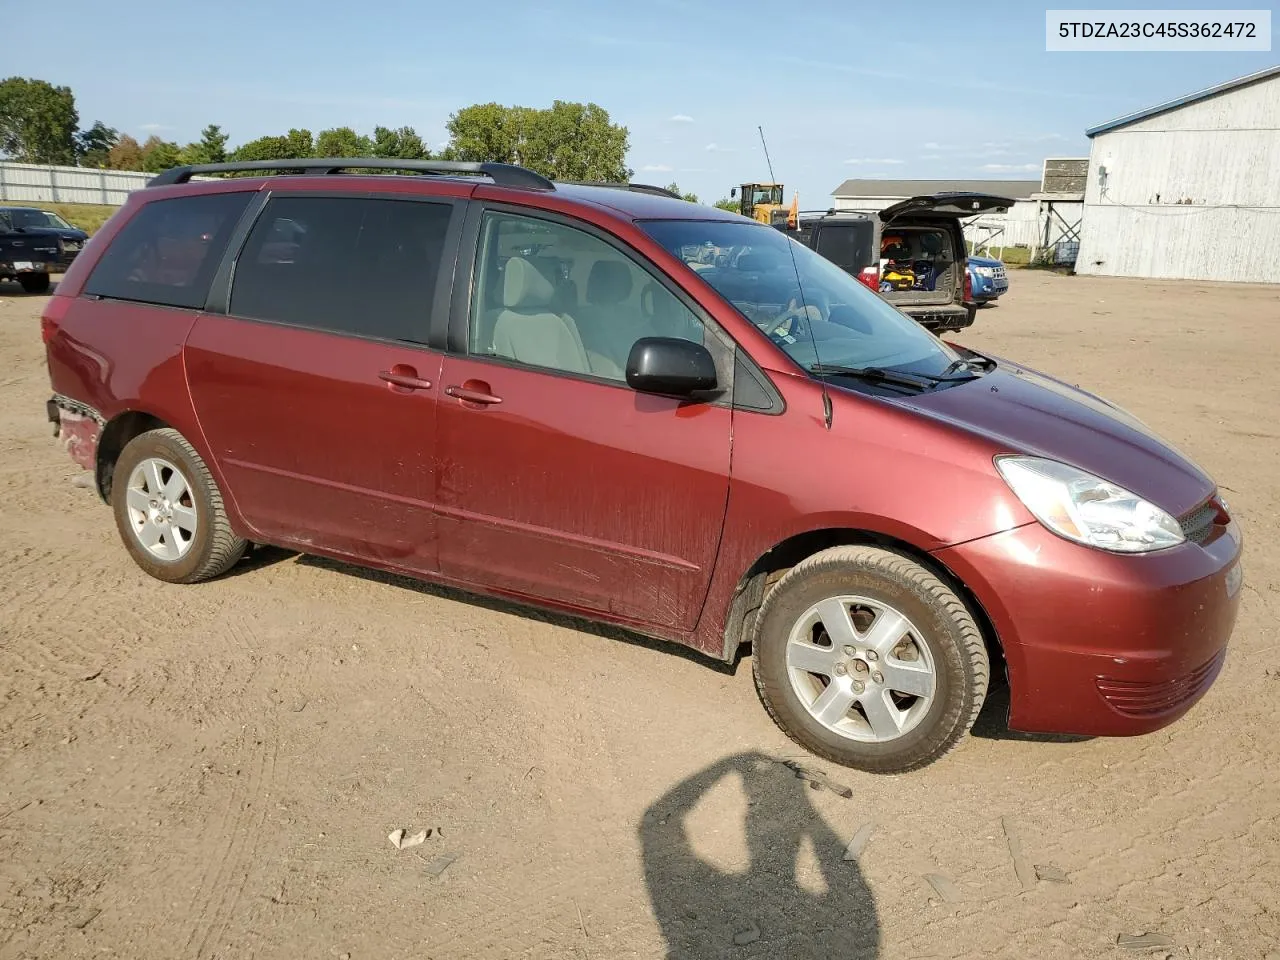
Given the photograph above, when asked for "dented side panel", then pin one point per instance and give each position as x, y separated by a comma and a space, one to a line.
79, 428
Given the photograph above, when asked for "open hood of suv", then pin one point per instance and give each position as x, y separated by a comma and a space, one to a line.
948, 204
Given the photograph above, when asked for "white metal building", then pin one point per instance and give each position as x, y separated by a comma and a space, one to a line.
1188, 189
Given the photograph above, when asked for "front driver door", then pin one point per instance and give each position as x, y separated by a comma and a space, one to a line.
555, 480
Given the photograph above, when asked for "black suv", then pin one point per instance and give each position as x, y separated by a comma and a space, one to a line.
35, 222
912, 253
26, 257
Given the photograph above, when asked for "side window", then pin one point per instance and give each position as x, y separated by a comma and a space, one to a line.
343, 264
553, 296
168, 251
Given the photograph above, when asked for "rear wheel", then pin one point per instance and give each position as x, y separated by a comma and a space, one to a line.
169, 510
866, 658
34, 282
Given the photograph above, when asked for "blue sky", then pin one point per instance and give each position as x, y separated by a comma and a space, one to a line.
919, 89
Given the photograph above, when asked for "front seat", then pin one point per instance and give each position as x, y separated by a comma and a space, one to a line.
528, 329
608, 329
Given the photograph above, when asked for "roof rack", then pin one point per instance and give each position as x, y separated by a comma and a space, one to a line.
503, 174
633, 187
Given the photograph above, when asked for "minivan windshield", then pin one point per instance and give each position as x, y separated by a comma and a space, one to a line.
813, 310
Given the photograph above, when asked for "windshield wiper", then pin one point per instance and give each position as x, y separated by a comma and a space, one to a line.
975, 362
877, 375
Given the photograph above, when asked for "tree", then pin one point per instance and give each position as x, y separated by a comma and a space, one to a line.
567, 141
342, 142
159, 154
296, 145
487, 131
210, 148
675, 188
38, 121
728, 204
401, 144
125, 155
573, 141
93, 146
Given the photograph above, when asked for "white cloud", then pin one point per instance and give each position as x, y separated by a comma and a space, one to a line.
682, 118
939, 146
930, 156
1011, 167
153, 127
871, 162
716, 148
656, 168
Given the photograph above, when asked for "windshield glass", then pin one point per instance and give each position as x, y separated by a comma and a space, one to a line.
834, 321
766, 194
37, 218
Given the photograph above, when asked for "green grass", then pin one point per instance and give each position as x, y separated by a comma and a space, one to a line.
87, 216
1010, 256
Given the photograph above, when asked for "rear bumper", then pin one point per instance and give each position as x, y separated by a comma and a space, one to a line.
78, 426
940, 319
1100, 644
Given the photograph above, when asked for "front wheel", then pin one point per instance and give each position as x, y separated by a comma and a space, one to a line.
868, 659
169, 510
34, 282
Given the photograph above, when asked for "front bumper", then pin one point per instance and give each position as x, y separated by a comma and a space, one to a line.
1102, 644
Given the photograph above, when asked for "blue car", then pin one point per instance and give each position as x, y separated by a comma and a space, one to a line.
987, 278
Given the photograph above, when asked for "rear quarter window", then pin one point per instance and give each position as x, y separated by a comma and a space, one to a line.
168, 251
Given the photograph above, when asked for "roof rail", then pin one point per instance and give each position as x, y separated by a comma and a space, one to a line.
503, 174
633, 187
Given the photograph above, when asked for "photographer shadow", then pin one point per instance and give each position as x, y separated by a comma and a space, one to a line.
774, 907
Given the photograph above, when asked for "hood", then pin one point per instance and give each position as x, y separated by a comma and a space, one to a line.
62, 233
984, 261
1028, 412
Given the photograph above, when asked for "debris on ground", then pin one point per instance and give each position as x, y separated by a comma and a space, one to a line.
859, 841
750, 935
817, 779
1143, 941
82, 918
440, 864
94, 675
82, 480
1047, 871
401, 840
1021, 866
943, 887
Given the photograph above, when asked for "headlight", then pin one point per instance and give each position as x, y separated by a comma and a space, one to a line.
985, 271
1087, 509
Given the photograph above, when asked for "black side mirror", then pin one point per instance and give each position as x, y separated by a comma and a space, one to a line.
670, 366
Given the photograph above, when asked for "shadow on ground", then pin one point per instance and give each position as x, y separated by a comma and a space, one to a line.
268, 556
769, 907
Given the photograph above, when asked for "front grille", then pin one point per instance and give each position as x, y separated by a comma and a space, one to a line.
1134, 699
1197, 525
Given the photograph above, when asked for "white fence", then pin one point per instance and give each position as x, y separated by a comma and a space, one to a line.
25, 182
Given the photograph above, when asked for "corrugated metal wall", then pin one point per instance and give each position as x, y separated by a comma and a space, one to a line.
24, 182
1190, 194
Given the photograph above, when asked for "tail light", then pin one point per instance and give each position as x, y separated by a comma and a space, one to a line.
968, 284
870, 278
54, 313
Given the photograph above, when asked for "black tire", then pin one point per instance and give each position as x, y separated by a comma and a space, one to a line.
34, 282
940, 616
214, 548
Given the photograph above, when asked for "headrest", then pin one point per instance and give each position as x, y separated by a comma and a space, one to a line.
754, 262
523, 287
609, 282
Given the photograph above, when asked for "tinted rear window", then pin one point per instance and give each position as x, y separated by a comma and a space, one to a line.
349, 265
168, 252
847, 246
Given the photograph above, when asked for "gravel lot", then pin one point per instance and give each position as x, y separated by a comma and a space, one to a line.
213, 771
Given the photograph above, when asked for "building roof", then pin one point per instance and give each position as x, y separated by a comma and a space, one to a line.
1199, 95
1014, 189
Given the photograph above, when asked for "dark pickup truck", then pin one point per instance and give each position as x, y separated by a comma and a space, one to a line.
912, 253
26, 257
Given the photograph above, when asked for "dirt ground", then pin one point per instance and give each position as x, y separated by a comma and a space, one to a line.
213, 771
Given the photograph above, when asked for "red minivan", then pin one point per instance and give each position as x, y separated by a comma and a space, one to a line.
607, 401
